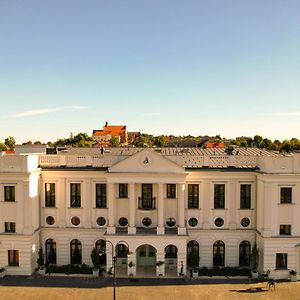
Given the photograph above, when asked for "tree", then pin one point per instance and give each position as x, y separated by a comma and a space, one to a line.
27, 143
258, 141
159, 141
254, 257
3, 147
115, 142
41, 258
10, 143
95, 258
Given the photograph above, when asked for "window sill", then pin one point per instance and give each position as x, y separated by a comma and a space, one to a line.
246, 209
287, 203
75, 207
219, 208
9, 232
281, 269
194, 208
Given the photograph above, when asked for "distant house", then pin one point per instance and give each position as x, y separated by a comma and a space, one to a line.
132, 136
109, 131
215, 145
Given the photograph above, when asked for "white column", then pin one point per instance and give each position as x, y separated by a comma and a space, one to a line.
181, 209
132, 270
111, 229
161, 210
132, 209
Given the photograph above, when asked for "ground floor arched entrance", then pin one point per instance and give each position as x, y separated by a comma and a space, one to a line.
146, 261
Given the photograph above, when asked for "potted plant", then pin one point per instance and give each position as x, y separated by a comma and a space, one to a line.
293, 275
2, 272
159, 264
96, 261
41, 262
131, 265
254, 261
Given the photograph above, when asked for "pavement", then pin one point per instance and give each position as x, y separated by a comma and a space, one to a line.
101, 282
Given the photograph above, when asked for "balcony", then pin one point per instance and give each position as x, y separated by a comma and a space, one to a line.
147, 203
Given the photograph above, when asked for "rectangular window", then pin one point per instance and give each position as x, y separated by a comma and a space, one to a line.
10, 226
101, 195
193, 196
281, 260
9, 193
50, 194
245, 196
286, 195
171, 191
123, 190
13, 257
219, 196
75, 195
285, 229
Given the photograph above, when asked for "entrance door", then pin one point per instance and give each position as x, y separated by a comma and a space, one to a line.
146, 256
147, 195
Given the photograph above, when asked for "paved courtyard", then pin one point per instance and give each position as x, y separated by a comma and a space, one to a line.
77, 288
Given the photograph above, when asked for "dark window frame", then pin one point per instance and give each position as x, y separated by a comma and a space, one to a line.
193, 195
9, 193
13, 258
101, 195
285, 229
75, 195
50, 194
10, 227
123, 190
286, 195
244, 254
219, 195
245, 196
281, 261
50, 255
171, 191
76, 252
219, 254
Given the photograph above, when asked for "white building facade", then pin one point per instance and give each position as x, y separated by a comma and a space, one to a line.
160, 204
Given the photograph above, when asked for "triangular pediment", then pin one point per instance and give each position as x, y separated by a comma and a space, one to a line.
146, 161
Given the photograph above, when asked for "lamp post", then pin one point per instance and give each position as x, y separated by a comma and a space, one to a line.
114, 261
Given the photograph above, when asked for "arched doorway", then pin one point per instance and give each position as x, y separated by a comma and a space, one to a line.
146, 260
76, 252
171, 260
121, 256
50, 251
219, 254
193, 254
100, 246
244, 254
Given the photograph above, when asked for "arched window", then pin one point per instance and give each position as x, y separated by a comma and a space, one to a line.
219, 254
100, 246
245, 249
171, 251
193, 254
122, 250
50, 251
76, 252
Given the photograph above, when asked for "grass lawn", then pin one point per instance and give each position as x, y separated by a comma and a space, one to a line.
289, 291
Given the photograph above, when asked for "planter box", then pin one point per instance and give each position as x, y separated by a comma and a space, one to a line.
42, 271
96, 273
254, 275
195, 273
293, 278
2, 274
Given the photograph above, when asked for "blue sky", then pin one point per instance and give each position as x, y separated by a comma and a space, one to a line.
161, 66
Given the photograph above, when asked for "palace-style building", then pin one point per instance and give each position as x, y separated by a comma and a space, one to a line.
162, 203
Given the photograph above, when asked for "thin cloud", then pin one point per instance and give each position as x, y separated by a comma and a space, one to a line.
151, 114
36, 112
284, 114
